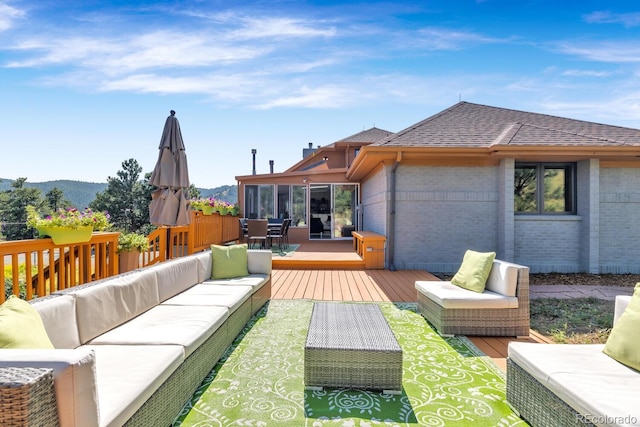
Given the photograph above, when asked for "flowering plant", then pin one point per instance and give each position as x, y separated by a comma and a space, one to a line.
71, 217
197, 204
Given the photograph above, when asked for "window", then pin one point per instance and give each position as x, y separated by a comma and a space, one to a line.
545, 188
292, 203
299, 205
258, 201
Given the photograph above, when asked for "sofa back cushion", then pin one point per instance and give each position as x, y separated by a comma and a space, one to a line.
259, 261
204, 265
58, 314
176, 276
107, 304
503, 278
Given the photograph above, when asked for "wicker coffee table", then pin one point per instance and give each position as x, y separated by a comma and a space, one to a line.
351, 346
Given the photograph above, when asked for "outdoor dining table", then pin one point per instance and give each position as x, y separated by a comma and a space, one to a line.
271, 228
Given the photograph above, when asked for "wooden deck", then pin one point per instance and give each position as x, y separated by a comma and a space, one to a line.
337, 284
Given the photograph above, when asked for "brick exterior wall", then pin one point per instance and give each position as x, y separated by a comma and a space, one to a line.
443, 211
619, 220
547, 243
374, 203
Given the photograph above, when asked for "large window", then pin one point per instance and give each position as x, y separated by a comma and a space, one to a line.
291, 202
258, 201
545, 188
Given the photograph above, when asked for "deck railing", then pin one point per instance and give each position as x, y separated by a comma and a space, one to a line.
36, 267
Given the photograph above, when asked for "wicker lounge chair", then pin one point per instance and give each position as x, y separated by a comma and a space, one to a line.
456, 311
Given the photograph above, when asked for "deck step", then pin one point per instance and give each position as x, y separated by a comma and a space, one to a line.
315, 264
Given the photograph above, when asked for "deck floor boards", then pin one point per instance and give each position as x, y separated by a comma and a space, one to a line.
368, 286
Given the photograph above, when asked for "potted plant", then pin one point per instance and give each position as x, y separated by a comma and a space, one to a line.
207, 206
222, 207
68, 226
130, 246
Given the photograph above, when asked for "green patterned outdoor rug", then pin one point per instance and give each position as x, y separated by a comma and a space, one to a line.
259, 381
284, 251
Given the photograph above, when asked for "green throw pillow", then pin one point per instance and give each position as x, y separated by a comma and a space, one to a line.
623, 344
474, 270
21, 326
229, 261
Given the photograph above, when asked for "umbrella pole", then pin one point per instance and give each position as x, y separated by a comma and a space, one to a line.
169, 244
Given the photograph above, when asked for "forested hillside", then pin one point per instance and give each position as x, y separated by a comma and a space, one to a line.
81, 193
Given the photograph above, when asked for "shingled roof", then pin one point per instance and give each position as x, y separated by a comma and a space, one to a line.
474, 125
370, 135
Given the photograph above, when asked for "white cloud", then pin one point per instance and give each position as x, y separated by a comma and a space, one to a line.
605, 51
433, 38
586, 73
328, 96
8, 15
160, 49
606, 17
228, 87
261, 28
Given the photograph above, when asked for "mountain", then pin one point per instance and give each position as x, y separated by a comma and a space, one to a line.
78, 192
81, 193
228, 193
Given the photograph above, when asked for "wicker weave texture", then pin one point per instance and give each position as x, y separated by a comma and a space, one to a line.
27, 398
483, 321
166, 402
260, 297
351, 346
237, 320
538, 405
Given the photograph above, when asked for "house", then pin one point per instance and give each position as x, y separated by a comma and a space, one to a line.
555, 194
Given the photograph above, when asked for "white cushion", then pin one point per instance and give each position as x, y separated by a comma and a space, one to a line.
205, 265
128, 375
106, 305
583, 376
74, 380
175, 276
259, 261
503, 278
231, 297
58, 314
188, 326
448, 295
256, 281
622, 301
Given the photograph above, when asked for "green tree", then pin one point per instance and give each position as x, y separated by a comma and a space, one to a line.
126, 199
194, 193
13, 212
56, 200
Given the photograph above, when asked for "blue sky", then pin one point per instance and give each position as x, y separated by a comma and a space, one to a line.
85, 85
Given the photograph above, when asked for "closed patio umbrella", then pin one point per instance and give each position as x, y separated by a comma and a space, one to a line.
171, 177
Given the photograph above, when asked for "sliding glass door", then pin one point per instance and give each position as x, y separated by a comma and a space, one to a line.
332, 210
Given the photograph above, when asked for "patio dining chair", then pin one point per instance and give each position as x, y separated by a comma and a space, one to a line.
279, 235
243, 229
257, 232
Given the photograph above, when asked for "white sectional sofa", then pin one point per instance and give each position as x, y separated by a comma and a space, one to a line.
132, 349
501, 310
572, 384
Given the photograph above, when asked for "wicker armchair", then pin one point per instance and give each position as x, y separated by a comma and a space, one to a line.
464, 317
